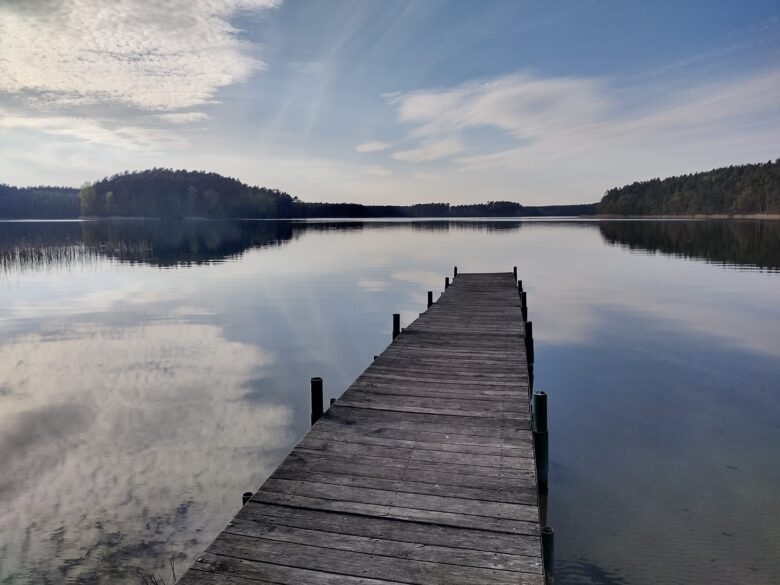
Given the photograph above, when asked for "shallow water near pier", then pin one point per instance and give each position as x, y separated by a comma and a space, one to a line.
151, 372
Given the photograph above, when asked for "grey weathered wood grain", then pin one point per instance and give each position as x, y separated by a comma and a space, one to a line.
268, 528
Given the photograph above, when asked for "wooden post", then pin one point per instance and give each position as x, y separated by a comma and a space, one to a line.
541, 438
455, 272
514, 271
245, 497
446, 282
543, 498
396, 324
529, 352
316, 399
548, 550
519, 286
430, 298
539, 409
524, 305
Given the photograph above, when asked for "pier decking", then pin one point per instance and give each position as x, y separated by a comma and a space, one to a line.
422, 472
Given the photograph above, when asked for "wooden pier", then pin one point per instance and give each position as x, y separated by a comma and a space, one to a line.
423, 472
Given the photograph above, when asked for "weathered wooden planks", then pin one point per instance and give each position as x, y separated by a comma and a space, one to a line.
421, 473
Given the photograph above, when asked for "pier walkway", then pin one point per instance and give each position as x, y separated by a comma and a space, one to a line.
422, 472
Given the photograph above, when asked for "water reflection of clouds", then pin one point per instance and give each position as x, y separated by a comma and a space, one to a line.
425, 278
94, 424
371, 285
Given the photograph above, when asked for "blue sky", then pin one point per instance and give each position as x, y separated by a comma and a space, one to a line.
389, 101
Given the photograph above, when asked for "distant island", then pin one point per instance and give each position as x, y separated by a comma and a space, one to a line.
752, 189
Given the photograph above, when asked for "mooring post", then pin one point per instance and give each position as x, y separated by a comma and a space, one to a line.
543, 497
548, 550
446, 282
529, 352
316, 399
455, 272
430, 298
539, 409
524, 305
245, 497
541, 438
519, 286
396, 324
514, 271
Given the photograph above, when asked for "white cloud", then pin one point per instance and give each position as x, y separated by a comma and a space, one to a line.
705, 121
579, 131
431, 150
119, 61
526, 108
372, 146
150, 55
183, 117
94, 131
520, 104
378, 171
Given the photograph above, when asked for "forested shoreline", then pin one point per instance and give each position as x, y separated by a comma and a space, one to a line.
39, 202
752, 189
168, 193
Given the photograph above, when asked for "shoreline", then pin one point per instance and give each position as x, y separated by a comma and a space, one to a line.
751, 216
773, 216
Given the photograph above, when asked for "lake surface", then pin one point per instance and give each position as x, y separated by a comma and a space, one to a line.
151, 372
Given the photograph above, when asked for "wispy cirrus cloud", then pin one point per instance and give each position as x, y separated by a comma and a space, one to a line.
523, 106
591, 126
372, 146
127, 136
520, 104
709, 120
182, 117
431, 150
378, 171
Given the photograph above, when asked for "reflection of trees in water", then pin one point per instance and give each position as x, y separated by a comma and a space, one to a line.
35, 246
41, 246
727, 242
182, 243
414, 225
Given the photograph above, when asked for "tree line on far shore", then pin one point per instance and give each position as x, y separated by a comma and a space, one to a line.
169, 193
735, 190
39, 202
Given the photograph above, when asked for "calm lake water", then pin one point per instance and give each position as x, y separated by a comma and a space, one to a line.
151, 372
